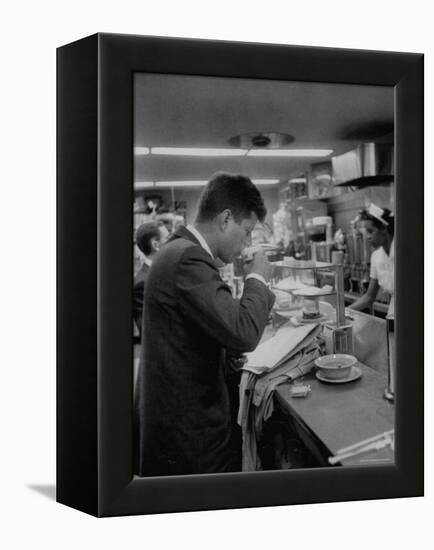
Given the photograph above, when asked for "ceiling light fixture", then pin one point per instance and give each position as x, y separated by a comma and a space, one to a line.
198, 151
265, 182
186, 183
289, 152
141, 151
297, 180
201, 183
143, 184
264, 140
225, 152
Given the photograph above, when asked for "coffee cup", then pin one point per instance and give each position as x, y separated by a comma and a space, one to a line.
336, 366
248, 253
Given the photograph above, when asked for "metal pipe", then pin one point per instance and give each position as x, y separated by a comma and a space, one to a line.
389, 392
338, 261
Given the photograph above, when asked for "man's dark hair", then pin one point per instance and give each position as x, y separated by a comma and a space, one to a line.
386, 216
144, 235
230, 191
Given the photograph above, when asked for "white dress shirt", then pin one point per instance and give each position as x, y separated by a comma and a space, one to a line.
200, 238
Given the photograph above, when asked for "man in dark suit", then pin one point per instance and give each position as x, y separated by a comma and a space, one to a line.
182, 407
149, 237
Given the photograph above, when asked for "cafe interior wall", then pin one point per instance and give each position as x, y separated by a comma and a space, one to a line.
345, 207
342, 208
191, 196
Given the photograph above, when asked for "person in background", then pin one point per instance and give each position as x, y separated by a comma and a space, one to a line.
183, 416
149, 237
380, 226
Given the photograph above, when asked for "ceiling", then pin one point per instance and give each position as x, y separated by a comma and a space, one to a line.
193, 111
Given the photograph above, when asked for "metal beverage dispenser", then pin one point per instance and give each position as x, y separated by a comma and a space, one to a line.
342, 331
359, 256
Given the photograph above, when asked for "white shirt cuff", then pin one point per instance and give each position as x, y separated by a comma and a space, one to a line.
258, 277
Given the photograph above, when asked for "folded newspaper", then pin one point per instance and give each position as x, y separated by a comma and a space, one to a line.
289, 354
272, 353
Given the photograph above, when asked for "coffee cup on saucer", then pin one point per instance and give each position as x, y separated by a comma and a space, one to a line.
336, 366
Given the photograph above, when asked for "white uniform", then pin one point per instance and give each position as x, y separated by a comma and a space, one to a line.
383, 270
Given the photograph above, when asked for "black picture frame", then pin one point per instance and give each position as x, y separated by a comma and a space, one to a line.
94, 274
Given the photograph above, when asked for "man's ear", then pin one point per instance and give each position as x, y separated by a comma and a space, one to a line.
224, 218
155, 244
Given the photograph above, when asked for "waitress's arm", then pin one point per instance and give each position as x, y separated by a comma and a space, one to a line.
386, 280
368, 298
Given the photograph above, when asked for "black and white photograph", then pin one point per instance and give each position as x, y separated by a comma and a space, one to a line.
228, 216
264, 275
207, 342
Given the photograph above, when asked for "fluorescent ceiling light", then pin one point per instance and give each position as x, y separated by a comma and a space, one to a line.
297, 180
188, 183
198, 151
289, 152
143, 184
141, 150
265, 182
193, 183
231, 152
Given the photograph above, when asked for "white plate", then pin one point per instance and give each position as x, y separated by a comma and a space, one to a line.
288, 285
356, 372
312, 292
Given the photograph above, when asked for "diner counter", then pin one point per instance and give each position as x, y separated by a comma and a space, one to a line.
336, 415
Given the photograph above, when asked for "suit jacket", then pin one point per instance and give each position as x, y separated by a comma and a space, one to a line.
182, 409
138, 290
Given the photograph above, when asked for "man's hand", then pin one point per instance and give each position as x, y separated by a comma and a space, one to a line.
259, 265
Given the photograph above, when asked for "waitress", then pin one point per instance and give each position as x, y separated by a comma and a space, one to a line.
380, 227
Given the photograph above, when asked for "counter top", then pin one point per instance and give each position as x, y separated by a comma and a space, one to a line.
334, 416
339, 415
369, 338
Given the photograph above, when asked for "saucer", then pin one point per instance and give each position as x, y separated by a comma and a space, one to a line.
356, 372
312, 292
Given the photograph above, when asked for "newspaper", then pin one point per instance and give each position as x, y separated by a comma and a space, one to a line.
287, 341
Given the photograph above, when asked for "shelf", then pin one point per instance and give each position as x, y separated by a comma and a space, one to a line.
302, 264
367, 181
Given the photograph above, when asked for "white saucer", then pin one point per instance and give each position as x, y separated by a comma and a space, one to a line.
356, 372
312, 292
299, 319
286, 313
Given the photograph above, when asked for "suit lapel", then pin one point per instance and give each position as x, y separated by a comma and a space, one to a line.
183, 233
